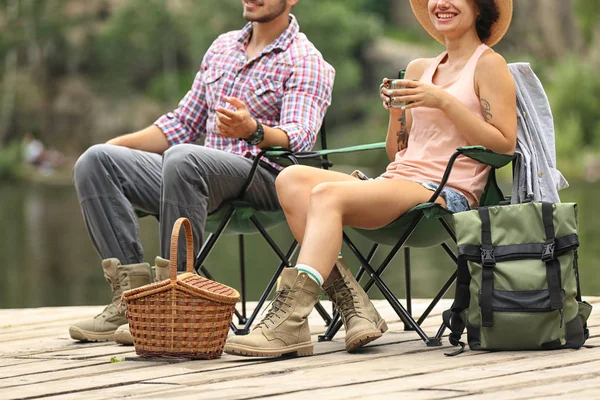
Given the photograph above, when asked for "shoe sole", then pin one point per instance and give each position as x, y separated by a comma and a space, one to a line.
364, 337
88, 336
299, 350
124, 338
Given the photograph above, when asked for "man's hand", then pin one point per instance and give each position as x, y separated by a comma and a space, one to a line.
235, 124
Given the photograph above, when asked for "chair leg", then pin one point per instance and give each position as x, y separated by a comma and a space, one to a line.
444, 288
210, 242
324, 314
448, 283
242, 319
407, 327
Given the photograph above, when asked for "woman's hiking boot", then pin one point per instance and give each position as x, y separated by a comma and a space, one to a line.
284, 330
362, 321
161, 272
121, 278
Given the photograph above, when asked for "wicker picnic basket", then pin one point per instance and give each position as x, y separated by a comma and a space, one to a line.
186, 316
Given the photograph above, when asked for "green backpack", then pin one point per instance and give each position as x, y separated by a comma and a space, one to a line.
518, 281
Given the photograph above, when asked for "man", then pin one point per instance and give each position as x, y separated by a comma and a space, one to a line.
265, 85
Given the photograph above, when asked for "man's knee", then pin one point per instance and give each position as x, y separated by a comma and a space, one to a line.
180, 163
93, 160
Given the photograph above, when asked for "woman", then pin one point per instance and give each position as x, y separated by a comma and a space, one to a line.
465, 96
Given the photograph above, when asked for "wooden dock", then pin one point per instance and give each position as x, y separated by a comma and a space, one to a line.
39, 360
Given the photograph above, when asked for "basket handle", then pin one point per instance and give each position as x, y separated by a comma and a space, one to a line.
189, 247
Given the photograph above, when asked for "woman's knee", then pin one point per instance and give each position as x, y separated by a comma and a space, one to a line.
293, 181
326, 195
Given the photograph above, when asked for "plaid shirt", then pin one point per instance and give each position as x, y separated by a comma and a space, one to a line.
287, 86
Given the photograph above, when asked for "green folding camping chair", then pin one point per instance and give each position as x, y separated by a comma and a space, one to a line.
425, 225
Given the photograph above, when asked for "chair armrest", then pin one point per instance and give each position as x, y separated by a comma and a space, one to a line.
477, 153
351, 149
315, 158
485, 156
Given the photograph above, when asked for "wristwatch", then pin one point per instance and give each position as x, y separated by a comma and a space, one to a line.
258, 136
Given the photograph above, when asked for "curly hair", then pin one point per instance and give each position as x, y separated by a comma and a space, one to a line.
488, 15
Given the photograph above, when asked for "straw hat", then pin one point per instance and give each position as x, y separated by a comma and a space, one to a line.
505, 8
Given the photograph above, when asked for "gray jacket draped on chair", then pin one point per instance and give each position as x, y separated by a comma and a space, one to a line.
535, 176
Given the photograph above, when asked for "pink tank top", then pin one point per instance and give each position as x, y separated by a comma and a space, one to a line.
433, 138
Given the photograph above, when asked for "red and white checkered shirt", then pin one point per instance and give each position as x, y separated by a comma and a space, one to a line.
287, 85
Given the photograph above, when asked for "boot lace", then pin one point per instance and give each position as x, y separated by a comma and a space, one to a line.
347, 302
115, 305
278, 305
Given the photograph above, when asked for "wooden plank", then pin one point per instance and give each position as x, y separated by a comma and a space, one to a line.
10, 362
81, 372
353, 383
384, 393
126, 391
58, 329
567, 382
524, 373
127, 372
304, 375
28, 317
69, 351
471, 380
40, 367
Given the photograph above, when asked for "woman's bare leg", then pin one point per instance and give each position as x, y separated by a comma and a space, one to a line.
294, 185
362, 204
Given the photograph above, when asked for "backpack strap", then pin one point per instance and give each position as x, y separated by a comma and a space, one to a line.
452, 318
455, 323
552, 263
488, 262
586, 331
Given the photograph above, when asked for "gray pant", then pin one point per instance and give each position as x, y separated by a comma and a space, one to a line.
187, 181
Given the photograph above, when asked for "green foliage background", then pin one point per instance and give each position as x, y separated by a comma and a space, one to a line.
149, 50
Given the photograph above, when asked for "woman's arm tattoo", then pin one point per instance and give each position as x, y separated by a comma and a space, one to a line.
487, 110
402, 134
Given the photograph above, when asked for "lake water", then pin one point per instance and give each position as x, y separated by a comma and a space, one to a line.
48, 260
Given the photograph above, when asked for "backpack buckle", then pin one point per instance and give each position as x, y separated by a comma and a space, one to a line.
548, 251
488, 259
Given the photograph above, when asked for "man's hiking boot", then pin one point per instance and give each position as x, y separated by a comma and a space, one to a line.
362, 321
102, 327
161, 269
161, 272
284, 330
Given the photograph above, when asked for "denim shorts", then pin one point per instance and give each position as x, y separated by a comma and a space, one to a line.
455, 201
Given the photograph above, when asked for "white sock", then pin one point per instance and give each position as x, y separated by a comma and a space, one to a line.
311, 272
